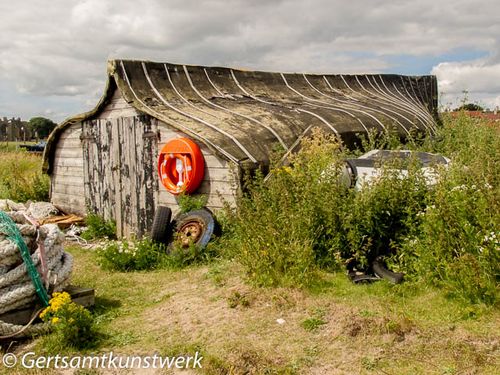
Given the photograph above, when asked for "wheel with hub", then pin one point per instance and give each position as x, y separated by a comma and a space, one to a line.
194, 227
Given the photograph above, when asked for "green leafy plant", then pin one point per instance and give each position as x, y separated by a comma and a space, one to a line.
237, 299
312, 324
191, 202
180, 256
73, 325
128, 256
278, 228
98, 227
456, 242
302, 219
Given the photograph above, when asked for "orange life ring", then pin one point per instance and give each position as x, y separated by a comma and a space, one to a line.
181, 166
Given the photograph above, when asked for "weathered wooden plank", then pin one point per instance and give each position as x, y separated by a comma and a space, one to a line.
209, 187
73, 132
70, 162
69, 152
60, 170
115, 175
68, 180
218, 174
141, 175
117, 113
116, 108
68, 189
69, 159
125, 176
73, 142
132, 161
106, 171
214, 200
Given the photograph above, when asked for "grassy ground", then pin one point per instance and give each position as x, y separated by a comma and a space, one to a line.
333, 328
329, 327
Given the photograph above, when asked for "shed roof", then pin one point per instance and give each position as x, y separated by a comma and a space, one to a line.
242, 114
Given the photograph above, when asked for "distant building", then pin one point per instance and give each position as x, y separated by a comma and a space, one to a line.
492, 116
15, 130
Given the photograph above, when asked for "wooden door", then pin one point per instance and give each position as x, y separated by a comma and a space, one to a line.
120, 171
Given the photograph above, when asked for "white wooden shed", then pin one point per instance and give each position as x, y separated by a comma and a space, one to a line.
105, 160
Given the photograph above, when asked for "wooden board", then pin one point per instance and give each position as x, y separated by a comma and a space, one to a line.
81, 296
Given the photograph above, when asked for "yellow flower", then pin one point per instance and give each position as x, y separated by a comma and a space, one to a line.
44, 312
55, 320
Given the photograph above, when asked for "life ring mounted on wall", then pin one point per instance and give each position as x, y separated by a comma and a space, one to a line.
181, 166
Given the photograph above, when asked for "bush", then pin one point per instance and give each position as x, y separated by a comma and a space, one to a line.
128, 256
180, 257
21, 177
457, 242
72, 324
283, 228
189, 203
302, 219
98, 227
381, 215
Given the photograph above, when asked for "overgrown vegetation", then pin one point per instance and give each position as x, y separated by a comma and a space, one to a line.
127, 256
302, 219
191, 202
72, 324
145, 254
21, 177
98, 227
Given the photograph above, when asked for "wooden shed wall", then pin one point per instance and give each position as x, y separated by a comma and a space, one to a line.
108, 163
220, 182
66, 185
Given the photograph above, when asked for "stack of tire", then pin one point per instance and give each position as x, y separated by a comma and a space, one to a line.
186, 229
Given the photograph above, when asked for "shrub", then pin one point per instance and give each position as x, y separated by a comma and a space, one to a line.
128, 256
72, 324
189, 203
180, 256
382, 214
283, 228
457, 242
98, 227
302, 219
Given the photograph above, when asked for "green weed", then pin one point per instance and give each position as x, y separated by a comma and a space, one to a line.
127, 256
189, 203
98, 227
302, 219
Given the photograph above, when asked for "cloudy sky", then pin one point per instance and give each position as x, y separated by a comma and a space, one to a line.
53, 53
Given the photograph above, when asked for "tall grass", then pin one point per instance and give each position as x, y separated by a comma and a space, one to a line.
302, 219
21, 177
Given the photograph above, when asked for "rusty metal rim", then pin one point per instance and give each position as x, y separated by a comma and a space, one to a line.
190, 232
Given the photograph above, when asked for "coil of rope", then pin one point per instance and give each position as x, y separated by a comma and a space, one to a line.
26, 247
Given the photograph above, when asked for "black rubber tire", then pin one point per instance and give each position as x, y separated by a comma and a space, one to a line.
161, 231
363, 278
380, 270
203, 218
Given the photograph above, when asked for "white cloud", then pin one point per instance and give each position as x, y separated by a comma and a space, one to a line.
58, 50
477, 80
